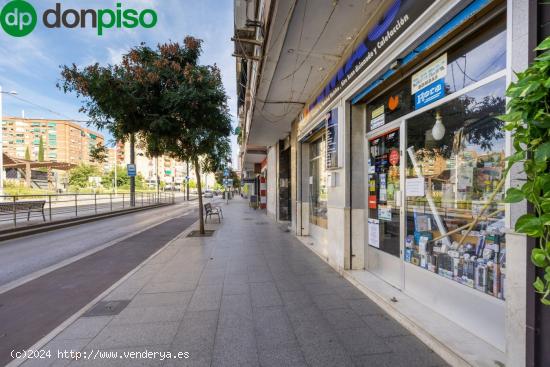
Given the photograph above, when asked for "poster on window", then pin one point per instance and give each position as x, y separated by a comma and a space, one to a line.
374, 233
332, 139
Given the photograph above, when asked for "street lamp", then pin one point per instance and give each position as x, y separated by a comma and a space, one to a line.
2, 141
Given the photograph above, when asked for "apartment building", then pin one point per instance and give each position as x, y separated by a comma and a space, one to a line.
62, 140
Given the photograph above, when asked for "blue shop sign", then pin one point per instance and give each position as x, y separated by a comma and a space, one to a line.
429, 94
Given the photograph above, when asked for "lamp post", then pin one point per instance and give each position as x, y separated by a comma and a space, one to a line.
2, 141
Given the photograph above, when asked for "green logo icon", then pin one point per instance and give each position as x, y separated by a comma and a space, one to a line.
18, 18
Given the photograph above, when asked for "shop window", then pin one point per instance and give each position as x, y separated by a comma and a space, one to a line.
455, 160
384, 193
318, 183
482, 55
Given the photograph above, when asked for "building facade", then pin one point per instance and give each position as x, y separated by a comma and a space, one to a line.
374, 127
63, 140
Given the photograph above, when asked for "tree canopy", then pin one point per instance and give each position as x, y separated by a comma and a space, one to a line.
164, 97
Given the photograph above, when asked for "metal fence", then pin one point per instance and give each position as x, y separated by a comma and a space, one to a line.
20, 210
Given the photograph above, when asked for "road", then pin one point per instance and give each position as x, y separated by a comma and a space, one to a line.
24, 256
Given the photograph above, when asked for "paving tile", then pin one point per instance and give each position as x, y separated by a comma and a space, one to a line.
232, 287
273, 329
417, 351
365, 307
235, 347
392, 360
138, 315
161, 299
196, 336
236, 311
265, 294
135, 335
385, 326
343, 318
206, 298
282, 357
363, 340
84, 327
329, 301
296, 299
169, 286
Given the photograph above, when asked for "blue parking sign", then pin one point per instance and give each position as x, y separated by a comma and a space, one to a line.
131, 169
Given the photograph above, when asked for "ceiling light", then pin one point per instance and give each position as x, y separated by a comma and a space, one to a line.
438, 130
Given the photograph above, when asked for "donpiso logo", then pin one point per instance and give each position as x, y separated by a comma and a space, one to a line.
18, 18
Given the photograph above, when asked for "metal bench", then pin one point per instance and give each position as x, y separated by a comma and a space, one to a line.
29, 207
209, 211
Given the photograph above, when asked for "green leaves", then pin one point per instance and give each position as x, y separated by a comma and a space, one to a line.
530, 225
528, 120
543, 152
538, 257
514, 195
544, 45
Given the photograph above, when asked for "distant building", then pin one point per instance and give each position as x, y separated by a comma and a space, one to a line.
170, 171
63, 140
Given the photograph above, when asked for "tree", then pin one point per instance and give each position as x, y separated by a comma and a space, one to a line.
27, 154
80, 176
122, 179
165, 98
191, 121
41, 150
99, 154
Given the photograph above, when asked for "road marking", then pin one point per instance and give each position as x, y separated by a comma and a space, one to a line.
65, 324
37, 274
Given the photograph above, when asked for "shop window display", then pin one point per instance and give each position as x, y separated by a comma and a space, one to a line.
384, 192
318, 182
455, 159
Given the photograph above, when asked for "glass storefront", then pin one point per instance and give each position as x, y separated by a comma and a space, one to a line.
383, 198
459, 172
318, 182
451, 204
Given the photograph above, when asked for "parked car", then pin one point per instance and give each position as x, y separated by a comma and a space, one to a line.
208, 194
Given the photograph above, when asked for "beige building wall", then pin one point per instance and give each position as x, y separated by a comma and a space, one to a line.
63, 140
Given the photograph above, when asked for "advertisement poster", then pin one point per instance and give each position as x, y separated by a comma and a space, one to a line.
382, 194
374, 232
414, 186
384, 213
377, 118
436, 70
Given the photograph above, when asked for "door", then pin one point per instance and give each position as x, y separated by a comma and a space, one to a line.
384, 184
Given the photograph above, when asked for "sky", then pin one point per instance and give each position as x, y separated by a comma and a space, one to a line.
31, 65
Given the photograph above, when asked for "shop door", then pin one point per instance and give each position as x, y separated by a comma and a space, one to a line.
385, 207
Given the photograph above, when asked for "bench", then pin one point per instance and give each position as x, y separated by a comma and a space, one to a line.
209, 211
36, 206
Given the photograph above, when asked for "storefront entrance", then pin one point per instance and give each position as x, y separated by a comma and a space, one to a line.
384, 207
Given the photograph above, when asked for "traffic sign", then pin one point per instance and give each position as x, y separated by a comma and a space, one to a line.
131, 169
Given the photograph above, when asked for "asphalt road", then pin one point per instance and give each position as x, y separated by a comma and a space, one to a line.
24, 256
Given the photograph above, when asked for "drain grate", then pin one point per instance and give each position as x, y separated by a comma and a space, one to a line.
261, 223
247, 218
107, 308
207, 233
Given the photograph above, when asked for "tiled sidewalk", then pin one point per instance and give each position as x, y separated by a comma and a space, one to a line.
251, 295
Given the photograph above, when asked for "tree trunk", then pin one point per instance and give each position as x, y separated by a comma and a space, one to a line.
132, 178
199, 191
